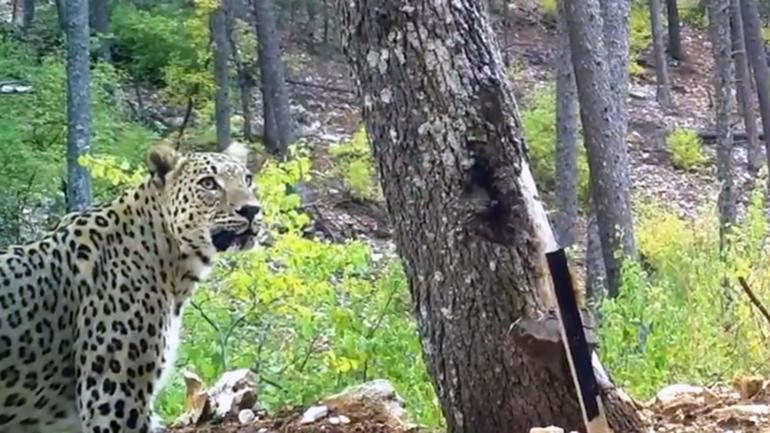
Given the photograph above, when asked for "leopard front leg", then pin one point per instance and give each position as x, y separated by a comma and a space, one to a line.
117, 365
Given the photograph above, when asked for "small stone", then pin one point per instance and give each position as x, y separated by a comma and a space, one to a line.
313, 414
344, 420
549, 429
246, 416
262, 430
334, 420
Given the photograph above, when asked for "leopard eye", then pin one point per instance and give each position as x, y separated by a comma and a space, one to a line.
208, 183
249, 180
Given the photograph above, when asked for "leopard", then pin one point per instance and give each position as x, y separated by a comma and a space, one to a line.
90, 312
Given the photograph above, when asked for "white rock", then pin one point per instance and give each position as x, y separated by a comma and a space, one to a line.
344, 420
672, 392
246, 416
313, 414
549, 429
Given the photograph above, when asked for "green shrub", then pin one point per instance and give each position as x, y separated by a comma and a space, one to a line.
639, 35
164, 45
549, 8
353, 162
538, 123
686, 149
693, 13
671, 325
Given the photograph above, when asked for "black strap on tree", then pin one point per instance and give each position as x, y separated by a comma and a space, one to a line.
576, 347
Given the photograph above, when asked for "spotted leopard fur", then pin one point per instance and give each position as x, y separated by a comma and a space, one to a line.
89, 314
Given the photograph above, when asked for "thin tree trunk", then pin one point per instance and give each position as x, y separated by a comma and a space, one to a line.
221, 79
28, 14
100, 22
247, 94
674, 31
743, 88
614, 18
719, 26
312, 18
78, 100
61, 13
596, 276
326, 23
245, 79
601, 95
758, 60
663, 85
467, 221
565, 165
274, 93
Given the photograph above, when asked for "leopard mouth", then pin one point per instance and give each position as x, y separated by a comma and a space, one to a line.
229, 240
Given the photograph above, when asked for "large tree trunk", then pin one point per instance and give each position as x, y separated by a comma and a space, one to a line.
100, 22
719, 28
755, 52
663, 85
221, 50
743, 88
602, 94
78, 100
468, 223
279, 126
674, 32
565, 165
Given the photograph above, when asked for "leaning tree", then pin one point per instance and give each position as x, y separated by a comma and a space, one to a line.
468, 223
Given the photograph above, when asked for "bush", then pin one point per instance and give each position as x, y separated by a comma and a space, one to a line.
353, 162
165, 46
639, 35
685, 148
538, 123
693, 13
549, 8
671, 325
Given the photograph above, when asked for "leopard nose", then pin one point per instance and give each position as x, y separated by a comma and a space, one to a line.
248, 212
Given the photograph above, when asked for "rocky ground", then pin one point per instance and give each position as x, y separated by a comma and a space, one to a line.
231, 406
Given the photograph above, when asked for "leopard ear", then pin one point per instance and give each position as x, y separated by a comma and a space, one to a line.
161, 159
238, 151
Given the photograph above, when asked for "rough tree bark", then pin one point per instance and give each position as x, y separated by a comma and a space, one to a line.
78, 100
596, 275
743, 88
602, 96
468, 223
719, 29
663, 84
565, 165
674, 32
279, 126
755, 52
614, 18
221, 50
100, 22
